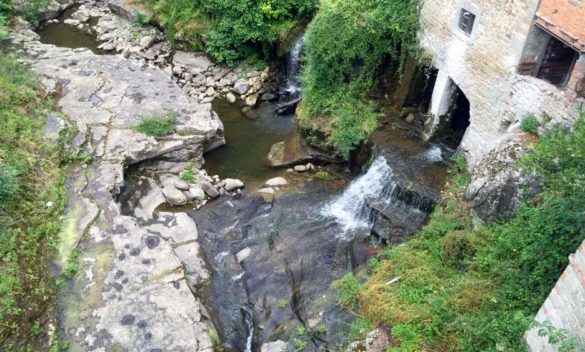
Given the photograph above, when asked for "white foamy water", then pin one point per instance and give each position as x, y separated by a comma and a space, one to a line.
292, 85
433, 154
350, 208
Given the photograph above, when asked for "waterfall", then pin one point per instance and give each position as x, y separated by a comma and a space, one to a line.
350, 208
249, 318
293, 66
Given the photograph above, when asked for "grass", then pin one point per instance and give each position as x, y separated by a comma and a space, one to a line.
530, 124
157, 125
282, 303
32, 201
188, 174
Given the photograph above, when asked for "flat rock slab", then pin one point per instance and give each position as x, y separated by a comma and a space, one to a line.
133, 290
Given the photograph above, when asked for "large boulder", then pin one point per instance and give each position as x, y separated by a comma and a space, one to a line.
497, 186
276, 346
174, 196
232, 184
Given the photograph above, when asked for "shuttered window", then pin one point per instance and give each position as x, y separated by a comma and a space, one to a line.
466, 21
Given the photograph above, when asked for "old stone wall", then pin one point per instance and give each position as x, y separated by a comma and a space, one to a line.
484, 64
564, 308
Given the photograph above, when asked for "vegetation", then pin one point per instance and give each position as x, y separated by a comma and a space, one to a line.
347, 45
230, 31
30, 10
530, 124
32, 200
157, 125
282, 303
477, 288
188, 174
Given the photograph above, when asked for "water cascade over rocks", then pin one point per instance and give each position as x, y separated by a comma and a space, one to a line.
292, 91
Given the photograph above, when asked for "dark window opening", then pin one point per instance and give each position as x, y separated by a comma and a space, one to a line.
557, 63
466, 21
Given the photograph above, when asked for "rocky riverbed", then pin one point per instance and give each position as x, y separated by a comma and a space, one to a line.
165, 260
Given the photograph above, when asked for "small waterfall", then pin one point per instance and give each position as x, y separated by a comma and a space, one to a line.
350, 208
293, 66
249, 318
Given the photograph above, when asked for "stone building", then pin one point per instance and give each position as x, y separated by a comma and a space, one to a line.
500, 60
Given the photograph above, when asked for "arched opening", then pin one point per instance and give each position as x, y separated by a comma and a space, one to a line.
450, 111
459, 120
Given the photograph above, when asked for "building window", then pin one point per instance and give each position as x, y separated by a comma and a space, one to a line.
466, 21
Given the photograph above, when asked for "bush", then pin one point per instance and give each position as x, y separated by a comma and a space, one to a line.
188, 174
30, 10
30, 177
348, 290
157, 125
347, 45
530, 124
231, 31
5, 8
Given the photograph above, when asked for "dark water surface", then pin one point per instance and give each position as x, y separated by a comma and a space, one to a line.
62, 35
248, 141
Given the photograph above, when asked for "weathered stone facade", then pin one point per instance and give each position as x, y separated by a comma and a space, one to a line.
484, 66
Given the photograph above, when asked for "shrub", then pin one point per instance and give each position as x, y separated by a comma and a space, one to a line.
348, 290
231, 31
188, 174
157, 125
5, 8
30, 178
347, 44
530, 124
30, 10
458, 163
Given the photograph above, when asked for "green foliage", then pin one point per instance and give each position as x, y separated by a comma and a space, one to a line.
359, 329
529, 124
478, 288
230, 31
30, 10
347, 45
157, 125
5, 9
348, 291
141, 19
458, 163
557, 337
188, 174
30, 178
215, 340
282, 303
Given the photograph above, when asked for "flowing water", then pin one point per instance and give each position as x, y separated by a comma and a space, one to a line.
293, 67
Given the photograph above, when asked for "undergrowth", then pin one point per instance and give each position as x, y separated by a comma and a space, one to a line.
32, 200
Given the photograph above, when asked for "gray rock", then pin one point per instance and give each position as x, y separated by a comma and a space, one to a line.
268, 97
197, 193
174, 196
266, 190
497, 186
276, 346
252, 100
276, 182
300, 168
231, 98
241, 87
231, 184
243, 254
209, 189
54, 126
146, 42
192, 60
181, 185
